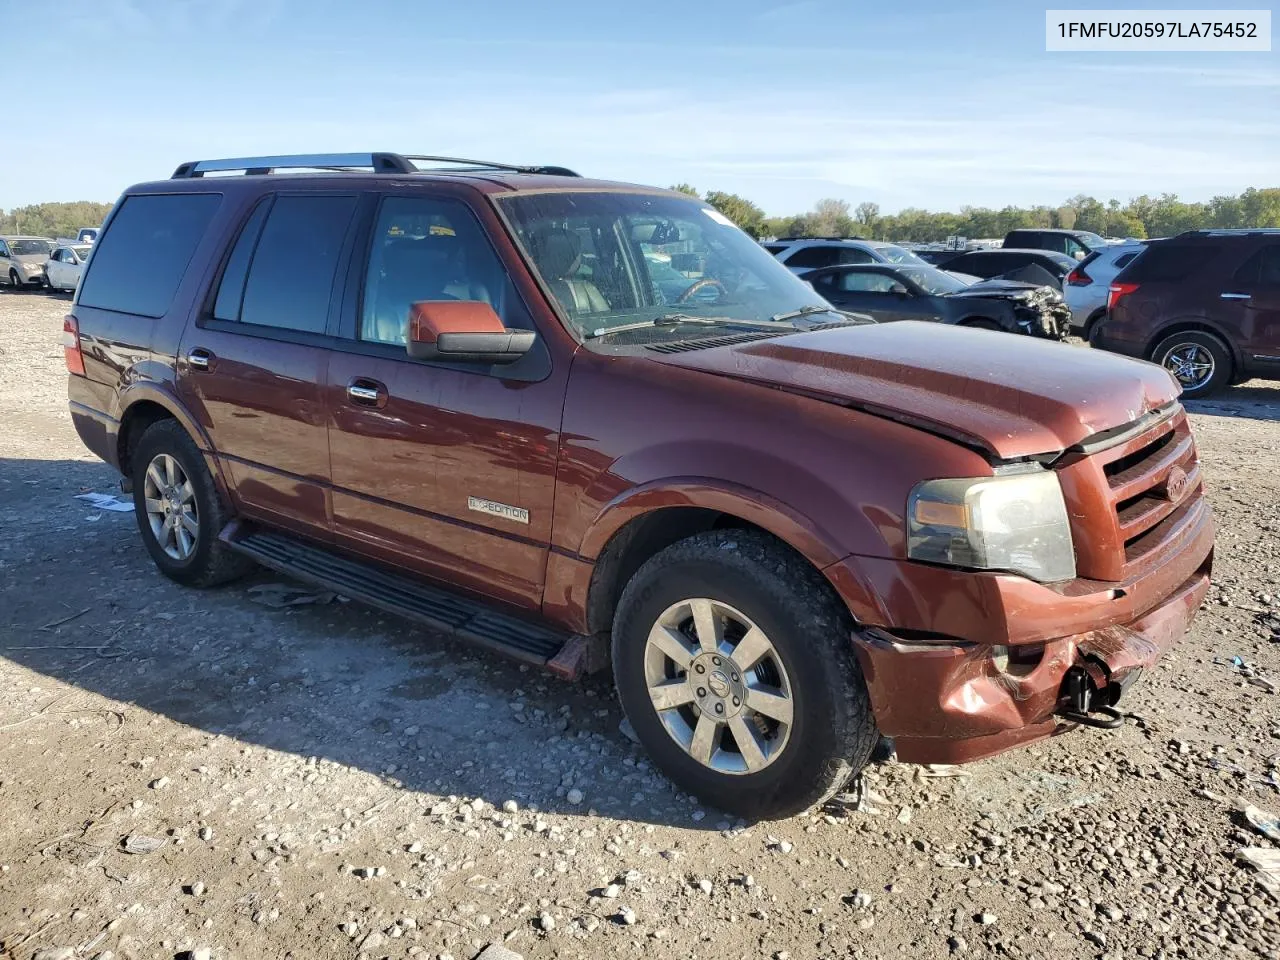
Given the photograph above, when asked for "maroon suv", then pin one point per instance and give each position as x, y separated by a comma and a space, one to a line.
583, 422
1205, 305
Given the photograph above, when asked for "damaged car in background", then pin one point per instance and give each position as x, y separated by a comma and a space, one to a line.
890, 292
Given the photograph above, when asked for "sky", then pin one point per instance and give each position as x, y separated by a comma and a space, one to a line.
905, 104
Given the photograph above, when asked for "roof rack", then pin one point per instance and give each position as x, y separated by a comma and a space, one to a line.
780, 239
393, 163
1232, 232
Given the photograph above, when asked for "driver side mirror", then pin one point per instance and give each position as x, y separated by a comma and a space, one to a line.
464, 331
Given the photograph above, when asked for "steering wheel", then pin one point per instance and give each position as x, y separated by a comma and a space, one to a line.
699, 285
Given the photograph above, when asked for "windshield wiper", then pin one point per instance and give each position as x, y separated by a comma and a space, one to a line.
673, 319
802, 312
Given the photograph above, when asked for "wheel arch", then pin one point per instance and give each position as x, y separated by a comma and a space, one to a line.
147, 403
1199, 325
646, 521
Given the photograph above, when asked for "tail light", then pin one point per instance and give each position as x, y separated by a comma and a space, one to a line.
1078, 278
71, 346
1118, 290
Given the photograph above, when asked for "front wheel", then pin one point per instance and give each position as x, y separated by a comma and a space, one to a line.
1199, 361
14, 280
179, 510
734, 664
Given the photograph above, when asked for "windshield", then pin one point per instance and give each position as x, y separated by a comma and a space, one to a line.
23, 248
932, 281
895, 254
82, 251
612, 259
1091, 240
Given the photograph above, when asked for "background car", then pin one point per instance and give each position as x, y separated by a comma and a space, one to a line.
1014, 265
1085, 287
891, 292
1076, 244
63, 268
1204, 304
801, 254
22, 260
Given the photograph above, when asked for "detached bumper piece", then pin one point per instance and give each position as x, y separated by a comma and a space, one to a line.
952, 703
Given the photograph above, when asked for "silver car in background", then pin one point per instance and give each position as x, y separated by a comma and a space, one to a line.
1085, 287
22, 260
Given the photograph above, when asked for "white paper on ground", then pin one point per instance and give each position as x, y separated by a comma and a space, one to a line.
106, 501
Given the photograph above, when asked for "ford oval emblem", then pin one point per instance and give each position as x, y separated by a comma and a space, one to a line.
1176, 485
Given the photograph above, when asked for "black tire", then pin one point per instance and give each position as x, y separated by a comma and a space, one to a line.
210, 562
1197, 343
1086, 333
14, 280
832, 732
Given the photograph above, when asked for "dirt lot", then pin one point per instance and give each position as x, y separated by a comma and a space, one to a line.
320, 780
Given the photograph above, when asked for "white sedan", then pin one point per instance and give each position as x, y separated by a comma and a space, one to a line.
62, 269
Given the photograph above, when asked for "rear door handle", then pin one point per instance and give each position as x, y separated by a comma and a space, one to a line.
367, 393
200, 359
1236, 296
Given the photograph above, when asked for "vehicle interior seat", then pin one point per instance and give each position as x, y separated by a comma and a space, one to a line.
413, 270
558, 254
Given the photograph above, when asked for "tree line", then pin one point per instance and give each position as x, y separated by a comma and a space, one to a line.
53, 219
1141, 217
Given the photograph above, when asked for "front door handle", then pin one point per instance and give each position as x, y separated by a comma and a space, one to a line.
1236, 296
200, 359
367, 393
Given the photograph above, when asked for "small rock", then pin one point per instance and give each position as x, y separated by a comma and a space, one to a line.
546, 921
206, 833
140, 845
986, 919
785, 846
860, 900
414, 847
199, 953
574, 796
705, 886
55, 953
510, 806
904, 815
495, 951
627, 916
196, 889
374, 940
612, 891
350, 928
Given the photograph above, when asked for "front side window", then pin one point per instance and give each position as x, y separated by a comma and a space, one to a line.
292, 265
428, 249
144, 254
856, 282
4, 249
855, 255
1262, 269
613, 259
892, 253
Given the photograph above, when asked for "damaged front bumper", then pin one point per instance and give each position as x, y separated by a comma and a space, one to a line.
1021, 662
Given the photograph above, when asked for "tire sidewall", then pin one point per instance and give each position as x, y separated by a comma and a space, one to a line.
782, 787
1221, 358
167, 437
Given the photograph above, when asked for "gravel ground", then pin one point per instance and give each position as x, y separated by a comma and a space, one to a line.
206, 771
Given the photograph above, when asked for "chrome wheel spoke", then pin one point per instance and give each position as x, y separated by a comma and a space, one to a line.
751, 649
704, 739
672, 644
669, 695
707, 626
170, 470
153, 505
772, 705
745, 737
185, 493
189, 524
153, 475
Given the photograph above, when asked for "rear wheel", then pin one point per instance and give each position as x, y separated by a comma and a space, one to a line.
734, 664
1199, 361
179, 510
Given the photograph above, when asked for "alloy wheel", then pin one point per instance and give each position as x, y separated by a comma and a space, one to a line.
1191, 364
170, 502
719, 686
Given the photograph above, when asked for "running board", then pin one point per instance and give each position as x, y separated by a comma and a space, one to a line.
447, 612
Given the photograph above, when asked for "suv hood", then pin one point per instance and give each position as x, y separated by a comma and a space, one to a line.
1012, 396
998, 289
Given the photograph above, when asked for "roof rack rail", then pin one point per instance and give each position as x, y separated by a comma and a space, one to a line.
806, 237
393, 163
1232, 232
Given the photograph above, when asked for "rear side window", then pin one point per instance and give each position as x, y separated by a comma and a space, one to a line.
775, 248
1019, 238
292, 269
1168, 261
231, 289
139, 262
854, 255
1263, 268
1122, 261
814, 257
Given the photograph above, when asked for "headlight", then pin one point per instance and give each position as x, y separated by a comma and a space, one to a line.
35, 268
1015, 522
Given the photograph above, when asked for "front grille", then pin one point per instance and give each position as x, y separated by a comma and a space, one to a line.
1128, 500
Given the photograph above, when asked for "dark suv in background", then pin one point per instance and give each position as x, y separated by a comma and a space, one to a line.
1205, 305
1076, 244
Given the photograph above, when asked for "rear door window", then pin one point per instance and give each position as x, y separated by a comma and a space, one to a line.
855, 255
291, 274
140, 260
